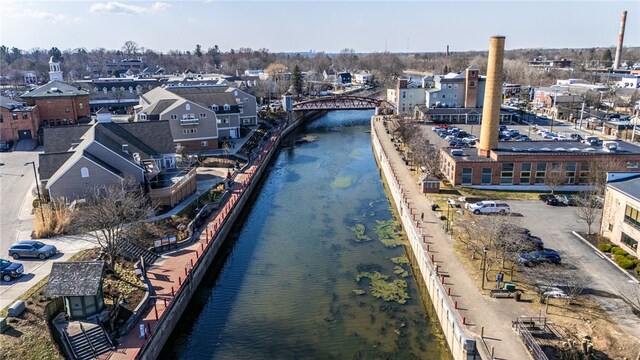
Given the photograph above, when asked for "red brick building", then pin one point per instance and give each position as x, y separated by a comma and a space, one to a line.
59, 103
528, 163
17, 120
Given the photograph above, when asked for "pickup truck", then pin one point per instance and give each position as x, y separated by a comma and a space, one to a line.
488, 207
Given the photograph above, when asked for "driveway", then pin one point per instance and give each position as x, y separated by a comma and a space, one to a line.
554, 225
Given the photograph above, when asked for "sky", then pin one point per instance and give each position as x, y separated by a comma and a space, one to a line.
303, 25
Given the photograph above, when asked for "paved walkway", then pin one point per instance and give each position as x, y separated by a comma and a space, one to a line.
167, 274
478, 308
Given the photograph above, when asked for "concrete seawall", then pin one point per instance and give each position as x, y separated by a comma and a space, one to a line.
461, 342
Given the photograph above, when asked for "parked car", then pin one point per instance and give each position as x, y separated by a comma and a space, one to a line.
4, 146
488, 207
32, 248
544, 197
539, 257
567, 200
577, 137
552, 200
10, 270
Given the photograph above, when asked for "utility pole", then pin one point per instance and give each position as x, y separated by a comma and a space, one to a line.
35, 174
582, 112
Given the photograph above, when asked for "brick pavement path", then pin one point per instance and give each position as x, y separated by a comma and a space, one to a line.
479, 309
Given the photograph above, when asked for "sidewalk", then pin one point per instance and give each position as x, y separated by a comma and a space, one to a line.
478, 308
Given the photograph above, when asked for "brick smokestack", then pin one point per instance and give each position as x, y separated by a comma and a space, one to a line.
618, 59
492, 97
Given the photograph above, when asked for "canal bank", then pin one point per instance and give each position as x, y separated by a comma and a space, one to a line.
471, 321
291, 286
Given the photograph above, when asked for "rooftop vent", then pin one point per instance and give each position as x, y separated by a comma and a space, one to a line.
559, 149
545, 149
532, 150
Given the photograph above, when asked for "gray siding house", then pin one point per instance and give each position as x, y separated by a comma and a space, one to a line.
79, 159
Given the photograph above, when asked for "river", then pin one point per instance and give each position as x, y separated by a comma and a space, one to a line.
286, 287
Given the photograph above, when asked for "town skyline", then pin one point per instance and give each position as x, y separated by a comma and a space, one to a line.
591, 24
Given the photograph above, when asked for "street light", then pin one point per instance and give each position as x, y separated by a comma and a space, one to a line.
485, 250
35, 175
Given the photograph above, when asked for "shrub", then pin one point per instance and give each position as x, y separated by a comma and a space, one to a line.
604, 247
624, 263
618, 251
638, 269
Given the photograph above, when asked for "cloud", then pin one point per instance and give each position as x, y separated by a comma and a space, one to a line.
31, 14
120, 8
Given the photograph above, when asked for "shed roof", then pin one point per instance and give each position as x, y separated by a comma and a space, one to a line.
79, 278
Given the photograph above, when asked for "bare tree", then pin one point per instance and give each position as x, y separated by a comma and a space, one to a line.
130, 48
108, 213
598, 172
555, 176
587, 207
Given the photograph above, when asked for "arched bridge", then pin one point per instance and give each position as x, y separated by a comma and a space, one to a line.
339, 103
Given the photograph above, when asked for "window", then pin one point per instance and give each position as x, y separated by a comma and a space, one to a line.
214, 107
506, 175
84, 172
104, 90
632, 216
187, 107
173, 117
629, 241
467, 174
525, 173
472, 83
227, 107
246, 121
404, 94
2, 119
190, 131
584, 173
455, 86
486, 176
14, 116
632, 164
125, 148
455, 96
95, 89
571, 173
443, 96
66, 109
203, 115
204, 143
81, 106
449, 86
142, 116
25, 115
541, 172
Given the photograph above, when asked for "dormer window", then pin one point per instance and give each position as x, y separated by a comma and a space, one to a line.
131, 89
104, 89
113, 88
95, 89
214, 107
125, 148
142, 116
227, 107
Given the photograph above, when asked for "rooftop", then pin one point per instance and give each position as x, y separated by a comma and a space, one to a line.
81, 278
55, 89
629, 186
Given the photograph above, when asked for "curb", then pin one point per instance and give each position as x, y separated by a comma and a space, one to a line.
606, 257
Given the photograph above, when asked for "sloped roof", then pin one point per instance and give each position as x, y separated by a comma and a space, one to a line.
59, 138
204, 95
80, 278
55, 89
146, 138
159, 107
48, 164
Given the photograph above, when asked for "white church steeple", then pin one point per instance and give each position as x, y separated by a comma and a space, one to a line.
54, 70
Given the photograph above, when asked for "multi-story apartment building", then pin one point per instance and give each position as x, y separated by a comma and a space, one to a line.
116, 94
621, 211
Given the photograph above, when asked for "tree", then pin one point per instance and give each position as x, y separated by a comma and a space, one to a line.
110, 211
214, 56
55, 53
198, 51
130, 48
555, 176
587, 207
275, 70
597, 172
346, 60
606, 58
296, 80
115, 73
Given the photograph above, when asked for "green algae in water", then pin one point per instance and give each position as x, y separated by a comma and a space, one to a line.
401, 260
400, 271
358, 230
395, 290
385, 230
343, 182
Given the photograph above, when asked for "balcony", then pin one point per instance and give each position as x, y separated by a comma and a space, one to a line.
189, 121
171, 187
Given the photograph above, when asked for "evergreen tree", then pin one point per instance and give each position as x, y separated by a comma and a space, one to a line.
296, 80
606, 58
56, 53
198, 51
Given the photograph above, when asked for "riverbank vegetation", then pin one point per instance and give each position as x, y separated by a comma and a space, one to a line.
395, 290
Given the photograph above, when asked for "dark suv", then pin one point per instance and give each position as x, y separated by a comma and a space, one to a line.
10, 270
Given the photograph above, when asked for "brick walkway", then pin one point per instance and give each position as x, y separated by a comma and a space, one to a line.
475, 305
167, 274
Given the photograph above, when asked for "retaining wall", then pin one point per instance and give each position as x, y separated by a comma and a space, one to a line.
461, 341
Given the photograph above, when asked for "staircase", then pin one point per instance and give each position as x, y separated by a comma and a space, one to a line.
133, 252
90, 342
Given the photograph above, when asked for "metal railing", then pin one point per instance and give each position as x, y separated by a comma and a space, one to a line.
86, 336
530, 342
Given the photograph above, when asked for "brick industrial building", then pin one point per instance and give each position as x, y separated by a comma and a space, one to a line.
17, 120
526, 163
